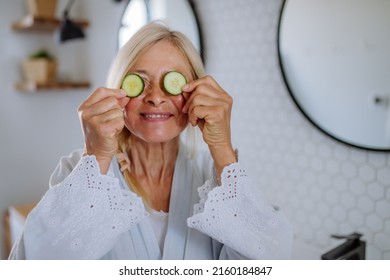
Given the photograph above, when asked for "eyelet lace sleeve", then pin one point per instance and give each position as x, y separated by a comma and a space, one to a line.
81, 217
237, 215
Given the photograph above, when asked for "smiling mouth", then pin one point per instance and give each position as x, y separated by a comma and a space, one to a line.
156, 116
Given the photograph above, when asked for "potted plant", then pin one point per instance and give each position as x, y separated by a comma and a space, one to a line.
40, 68
42, 8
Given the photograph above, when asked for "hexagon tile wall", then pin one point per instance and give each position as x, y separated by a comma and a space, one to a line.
324, 187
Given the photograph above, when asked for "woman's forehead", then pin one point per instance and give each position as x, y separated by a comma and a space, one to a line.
163, 56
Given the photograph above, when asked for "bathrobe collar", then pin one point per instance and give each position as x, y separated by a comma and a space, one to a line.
180, 242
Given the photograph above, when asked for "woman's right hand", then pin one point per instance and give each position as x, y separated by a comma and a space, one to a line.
102, 120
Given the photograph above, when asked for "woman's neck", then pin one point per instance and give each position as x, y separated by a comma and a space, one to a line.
152, 160
152, 166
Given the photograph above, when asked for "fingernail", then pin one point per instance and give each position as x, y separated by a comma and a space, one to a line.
185, 87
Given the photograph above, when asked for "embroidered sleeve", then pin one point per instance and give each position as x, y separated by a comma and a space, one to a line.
81, 217
237, 215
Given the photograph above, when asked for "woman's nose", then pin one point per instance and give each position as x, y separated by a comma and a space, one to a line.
155, 96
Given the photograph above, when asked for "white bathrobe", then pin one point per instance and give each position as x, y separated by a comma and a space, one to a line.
87, 215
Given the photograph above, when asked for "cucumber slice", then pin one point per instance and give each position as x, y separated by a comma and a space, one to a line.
173, 82
133, 84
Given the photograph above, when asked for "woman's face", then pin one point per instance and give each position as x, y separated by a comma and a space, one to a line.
155, 116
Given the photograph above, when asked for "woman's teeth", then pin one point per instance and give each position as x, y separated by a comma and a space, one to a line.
156, 116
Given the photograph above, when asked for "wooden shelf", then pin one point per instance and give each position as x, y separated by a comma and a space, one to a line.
32, 87
33, 23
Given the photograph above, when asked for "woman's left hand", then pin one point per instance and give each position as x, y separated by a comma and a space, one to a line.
209, 106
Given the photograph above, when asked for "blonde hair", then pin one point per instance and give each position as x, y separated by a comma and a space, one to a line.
146, 37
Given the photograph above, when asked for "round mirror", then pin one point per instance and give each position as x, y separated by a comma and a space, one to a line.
178, 14
335, 59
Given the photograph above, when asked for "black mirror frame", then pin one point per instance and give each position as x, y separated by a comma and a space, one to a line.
332, 136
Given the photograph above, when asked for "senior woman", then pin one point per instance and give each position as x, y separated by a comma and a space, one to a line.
142, 188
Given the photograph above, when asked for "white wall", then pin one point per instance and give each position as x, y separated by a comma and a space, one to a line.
37, 128
324, 187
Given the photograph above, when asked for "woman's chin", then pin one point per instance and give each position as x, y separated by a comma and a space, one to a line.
156, 138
